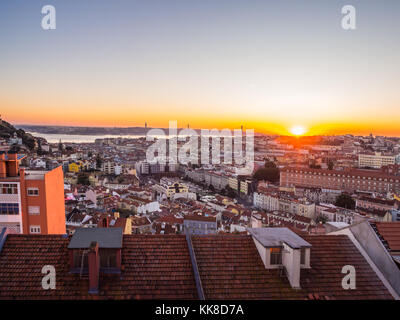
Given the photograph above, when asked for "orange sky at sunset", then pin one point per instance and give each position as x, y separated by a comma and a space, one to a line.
118, 118
268, 66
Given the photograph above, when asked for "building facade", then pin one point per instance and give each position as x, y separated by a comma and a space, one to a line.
350, 180
31, 202
375, 160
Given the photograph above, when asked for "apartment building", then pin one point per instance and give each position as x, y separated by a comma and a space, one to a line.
347, 180
266, 201
375, 203
31, 202
300, 207
110, 167
170, 187
218, 180
197, 225
144, 167
274, 201
233, 182
246, 186
375, 160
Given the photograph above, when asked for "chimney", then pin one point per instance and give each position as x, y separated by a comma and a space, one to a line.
3, 165
291, 262
97, 241
94, 267
13, 165
256, 221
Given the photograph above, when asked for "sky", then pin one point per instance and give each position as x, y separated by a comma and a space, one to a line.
266, 65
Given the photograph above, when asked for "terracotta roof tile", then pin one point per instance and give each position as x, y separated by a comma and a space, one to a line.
231, 268
154, 267
159, 267
390, 232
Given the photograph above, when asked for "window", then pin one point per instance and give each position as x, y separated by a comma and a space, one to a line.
303, 256
34, 229
34, 210
33, 192
8, 188
108, 259
9, 208
276, 256
78, 259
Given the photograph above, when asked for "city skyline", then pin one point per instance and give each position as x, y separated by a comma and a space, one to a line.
270, 67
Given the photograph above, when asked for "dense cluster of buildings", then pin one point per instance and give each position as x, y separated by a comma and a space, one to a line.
102, 206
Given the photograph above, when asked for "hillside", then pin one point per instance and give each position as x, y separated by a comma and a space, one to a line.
7, 131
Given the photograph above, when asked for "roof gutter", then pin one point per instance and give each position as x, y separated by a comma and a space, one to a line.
3, 236
381, 275
193, 260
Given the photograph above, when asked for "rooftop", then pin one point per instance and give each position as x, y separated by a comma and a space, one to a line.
200, 218
390, 232
106, 238
159, 267
274, 237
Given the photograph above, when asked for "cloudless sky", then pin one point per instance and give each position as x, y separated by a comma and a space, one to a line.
269, 65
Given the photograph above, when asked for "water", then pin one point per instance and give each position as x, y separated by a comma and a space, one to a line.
77, 138
82, 138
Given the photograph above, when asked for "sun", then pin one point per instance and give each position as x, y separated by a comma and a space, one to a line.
298, 130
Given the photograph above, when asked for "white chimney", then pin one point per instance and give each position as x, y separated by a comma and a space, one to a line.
291, 262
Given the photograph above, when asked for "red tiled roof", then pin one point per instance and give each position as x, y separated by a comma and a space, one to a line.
170, 219
390, 231
140, 221
154, 267
200, 218
378, 200
301, 218
231, 268
159, 267
351, 172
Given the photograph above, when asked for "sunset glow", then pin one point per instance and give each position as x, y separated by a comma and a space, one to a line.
206, 65
298, 130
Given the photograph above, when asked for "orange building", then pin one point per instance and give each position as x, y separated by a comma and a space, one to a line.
31, 202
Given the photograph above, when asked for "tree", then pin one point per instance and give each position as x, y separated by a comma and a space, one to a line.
314, 165
60, 146
83, 179
321, 219
345, 201
230, 192
40, 151
330, 164
270, 174
269, 164
99, 161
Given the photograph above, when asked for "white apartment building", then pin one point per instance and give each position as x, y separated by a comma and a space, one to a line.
375, 160
265, 201
272, 202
